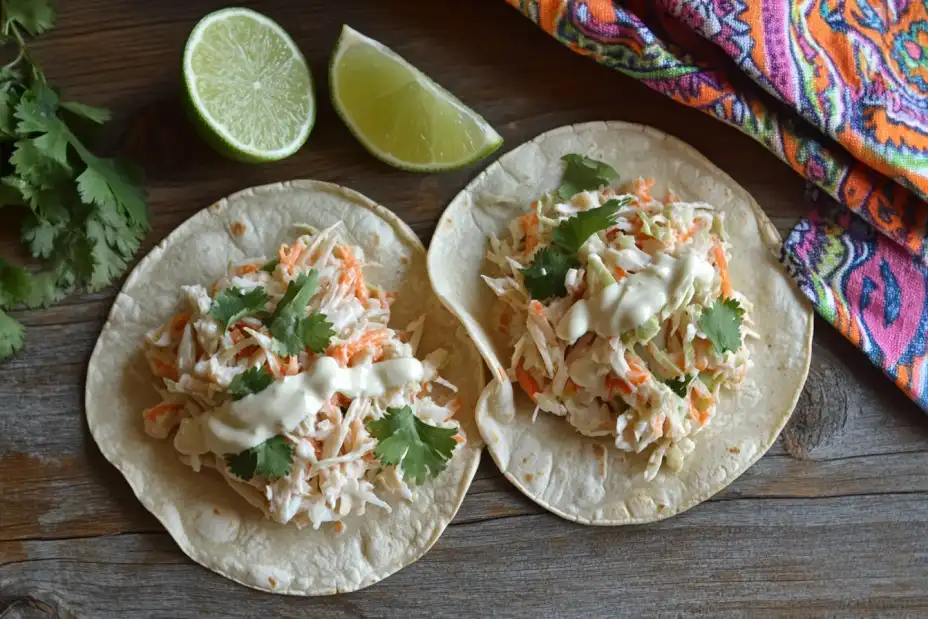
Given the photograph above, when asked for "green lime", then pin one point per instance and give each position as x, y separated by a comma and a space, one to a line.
400, 115
248, 85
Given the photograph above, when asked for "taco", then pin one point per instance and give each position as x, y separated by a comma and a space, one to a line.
282, 390
646, 347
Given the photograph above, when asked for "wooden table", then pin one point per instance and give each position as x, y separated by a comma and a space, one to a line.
833, 522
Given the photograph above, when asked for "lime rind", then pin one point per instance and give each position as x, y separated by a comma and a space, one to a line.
491, 139
216, 130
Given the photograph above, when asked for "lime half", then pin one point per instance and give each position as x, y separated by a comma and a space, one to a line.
399, 114
248, 85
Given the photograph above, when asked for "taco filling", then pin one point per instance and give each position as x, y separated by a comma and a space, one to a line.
285, 376
619, 312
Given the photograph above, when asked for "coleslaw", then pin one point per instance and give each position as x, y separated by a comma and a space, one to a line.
292, 429
630, 332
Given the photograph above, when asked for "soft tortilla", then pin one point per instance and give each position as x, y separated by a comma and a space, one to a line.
212, 524
584, 479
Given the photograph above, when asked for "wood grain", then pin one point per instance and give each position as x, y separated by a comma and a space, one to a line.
833, 522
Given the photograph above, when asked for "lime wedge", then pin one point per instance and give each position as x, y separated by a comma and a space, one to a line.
248, 86
400, 115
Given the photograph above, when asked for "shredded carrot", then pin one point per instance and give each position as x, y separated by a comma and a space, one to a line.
459, 439
288, 255
637, 373
701, 349
179, 321
722, 263
689, 233
352, 268
657, 424
529, 385
671, 196
529, 224
290, 366
620, 273
246, 352
704, 417
164, 370
370, 341
246, 268
536, 307
161, 409
694, 412
643, 189
613, 383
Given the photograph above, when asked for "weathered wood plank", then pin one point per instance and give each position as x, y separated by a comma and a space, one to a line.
831, 523
775, 557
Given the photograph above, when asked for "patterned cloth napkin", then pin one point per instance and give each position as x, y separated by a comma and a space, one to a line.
837, 90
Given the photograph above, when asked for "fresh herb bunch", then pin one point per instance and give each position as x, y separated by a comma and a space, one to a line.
84, 215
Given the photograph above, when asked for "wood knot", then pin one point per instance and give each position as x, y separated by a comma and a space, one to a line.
823, 409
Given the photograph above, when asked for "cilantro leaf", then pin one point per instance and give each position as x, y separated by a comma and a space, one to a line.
286, 323
252, 380
11, 335
583, 174
316, 332
572, 233
403, 438
15, 284
271, 459
33, 16
106, 182
680, 386
544, 278
48, 287
9, 99
721, 323
232, 304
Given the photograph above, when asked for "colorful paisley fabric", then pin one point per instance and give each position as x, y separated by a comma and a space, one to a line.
838, 90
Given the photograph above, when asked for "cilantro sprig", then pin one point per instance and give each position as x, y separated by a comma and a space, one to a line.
232, 304
84, 215
572, 233
272, 458
582, 174
292, 329
403, 438
544, 278
252, 380
721, 322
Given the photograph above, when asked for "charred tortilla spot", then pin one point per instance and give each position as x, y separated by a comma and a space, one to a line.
238, 228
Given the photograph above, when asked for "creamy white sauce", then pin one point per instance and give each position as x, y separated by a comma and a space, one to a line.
238, 425
628, 304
